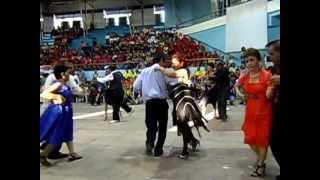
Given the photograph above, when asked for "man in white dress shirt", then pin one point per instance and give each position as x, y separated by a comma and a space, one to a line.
152, 84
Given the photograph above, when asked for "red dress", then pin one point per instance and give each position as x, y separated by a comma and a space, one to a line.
258, 112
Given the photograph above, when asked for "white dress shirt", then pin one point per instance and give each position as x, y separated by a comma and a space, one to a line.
151, 83
107, 78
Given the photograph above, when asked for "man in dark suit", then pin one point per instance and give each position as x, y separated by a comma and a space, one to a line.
274, 55
116, 92
222, 80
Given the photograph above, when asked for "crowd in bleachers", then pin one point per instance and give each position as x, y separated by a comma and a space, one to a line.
131, 50
60, 50
67, 33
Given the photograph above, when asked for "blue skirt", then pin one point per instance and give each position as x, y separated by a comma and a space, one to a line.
56, 124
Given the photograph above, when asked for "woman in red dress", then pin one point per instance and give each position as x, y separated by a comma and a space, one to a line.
256, 88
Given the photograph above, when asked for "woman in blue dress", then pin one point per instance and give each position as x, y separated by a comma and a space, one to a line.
56, 123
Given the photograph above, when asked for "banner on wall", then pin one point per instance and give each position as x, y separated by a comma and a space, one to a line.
246, 25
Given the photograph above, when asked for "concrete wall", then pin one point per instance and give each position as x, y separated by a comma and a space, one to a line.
212, 31
246, 25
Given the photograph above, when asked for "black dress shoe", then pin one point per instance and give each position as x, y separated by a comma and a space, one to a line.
149, 149
278, 177
158, 153
224, 119
57, 156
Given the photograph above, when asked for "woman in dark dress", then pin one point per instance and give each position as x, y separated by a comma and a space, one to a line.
210, 91
180, 76
56, 123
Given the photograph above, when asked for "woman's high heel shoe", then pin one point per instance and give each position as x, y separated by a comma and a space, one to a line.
260, 171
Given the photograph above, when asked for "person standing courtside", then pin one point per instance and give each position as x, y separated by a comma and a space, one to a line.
152, 85
116, 92
222, 80
274, 54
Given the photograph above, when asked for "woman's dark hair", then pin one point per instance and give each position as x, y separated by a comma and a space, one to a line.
252, 52
181, 58
58, 69
159, 57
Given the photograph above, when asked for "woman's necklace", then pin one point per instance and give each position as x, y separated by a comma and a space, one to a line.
254, 77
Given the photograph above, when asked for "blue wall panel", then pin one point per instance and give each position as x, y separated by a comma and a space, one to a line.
273, 33
178, 11
214, 37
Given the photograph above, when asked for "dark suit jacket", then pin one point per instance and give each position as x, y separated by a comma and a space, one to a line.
222, 78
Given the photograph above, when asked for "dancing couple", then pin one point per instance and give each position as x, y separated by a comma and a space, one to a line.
152, 84
56, 123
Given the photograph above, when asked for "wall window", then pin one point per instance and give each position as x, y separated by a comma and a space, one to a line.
161, 12
70, 18
116, 15
76, 24
110, 22
65, 25
158, 19
123, 21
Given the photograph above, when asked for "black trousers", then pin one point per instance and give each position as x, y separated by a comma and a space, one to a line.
174, 115
117, 101
116, 109
275, 142
156, 121
213, 101
222, 102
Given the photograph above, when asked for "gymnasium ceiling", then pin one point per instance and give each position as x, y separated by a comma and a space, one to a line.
65, 6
